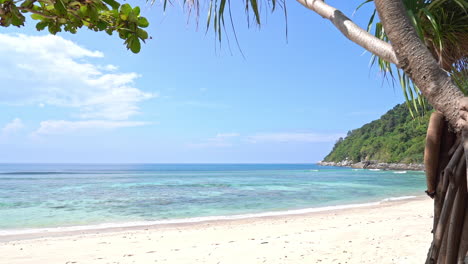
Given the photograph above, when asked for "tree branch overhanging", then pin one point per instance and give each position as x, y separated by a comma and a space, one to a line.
352, 31
36, 12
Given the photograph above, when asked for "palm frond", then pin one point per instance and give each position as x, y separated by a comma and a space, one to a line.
216, 10
443, 26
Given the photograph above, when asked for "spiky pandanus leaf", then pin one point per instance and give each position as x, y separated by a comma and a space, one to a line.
216, 11
443, 27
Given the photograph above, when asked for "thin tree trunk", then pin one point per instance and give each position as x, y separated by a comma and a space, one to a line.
352, 31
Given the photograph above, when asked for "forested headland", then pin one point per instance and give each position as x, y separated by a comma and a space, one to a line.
397, 137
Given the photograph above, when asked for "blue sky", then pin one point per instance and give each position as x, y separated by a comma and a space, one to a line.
85, 98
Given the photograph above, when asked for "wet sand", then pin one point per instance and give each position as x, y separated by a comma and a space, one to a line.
391, 232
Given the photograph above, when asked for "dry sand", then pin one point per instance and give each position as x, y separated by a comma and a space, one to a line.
393, 232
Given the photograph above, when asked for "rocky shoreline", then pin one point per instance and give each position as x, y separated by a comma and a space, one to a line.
374, 165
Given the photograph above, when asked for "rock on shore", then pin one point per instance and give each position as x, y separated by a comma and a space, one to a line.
374, 165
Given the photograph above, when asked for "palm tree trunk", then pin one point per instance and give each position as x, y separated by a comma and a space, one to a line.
418, 63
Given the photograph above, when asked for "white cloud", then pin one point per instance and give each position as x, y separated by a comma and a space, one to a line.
109, 67
57, 127
229, 139
50, 70
293, 137
220, 140
14, 126
226, 135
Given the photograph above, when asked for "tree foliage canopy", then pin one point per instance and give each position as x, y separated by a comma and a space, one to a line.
396, 137
70, 15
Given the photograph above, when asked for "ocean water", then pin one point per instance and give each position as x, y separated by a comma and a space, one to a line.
38, 196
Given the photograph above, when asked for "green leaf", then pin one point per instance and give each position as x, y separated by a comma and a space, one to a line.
101, 25
132, 17
112, 3
371, 21
136, 11
135, 45
208, 20
27, 3
254, 5
93, 13
123, 34
125, 9
60, 7
53, 29
221, 7
359, 6
84, 10
17, 20
143, 22
37, 17
414, 20
435, 26
142, 34
41, 25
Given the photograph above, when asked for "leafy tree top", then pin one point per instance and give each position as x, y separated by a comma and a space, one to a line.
70, 15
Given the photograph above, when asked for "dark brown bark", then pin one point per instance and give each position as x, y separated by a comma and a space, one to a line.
447, 143
443, 251
432, 151
450, 244
443, 223
455, 227
464, 239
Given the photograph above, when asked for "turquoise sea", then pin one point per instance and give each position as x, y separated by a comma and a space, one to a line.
47, 196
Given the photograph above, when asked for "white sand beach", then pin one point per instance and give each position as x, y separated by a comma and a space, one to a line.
392, 232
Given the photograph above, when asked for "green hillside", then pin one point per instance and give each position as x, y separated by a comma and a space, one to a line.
394, 138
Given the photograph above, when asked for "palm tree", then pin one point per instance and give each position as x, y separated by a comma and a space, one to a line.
426, 43
442, 26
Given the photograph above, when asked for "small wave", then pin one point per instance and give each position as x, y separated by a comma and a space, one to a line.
398, 198
58, 207
374, 169
400, 172
60, 172
195, 219
34, 173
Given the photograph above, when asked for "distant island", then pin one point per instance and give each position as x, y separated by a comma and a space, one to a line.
395, 141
